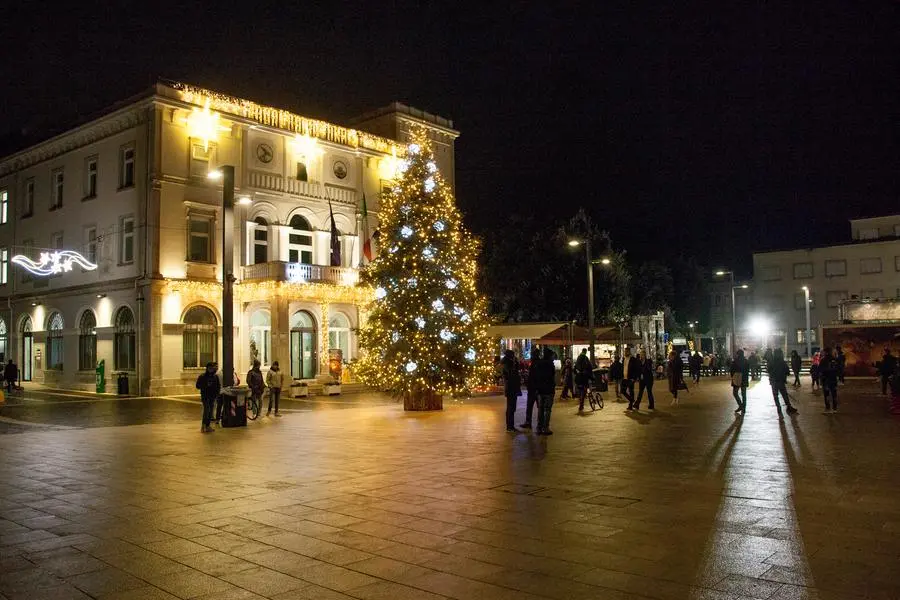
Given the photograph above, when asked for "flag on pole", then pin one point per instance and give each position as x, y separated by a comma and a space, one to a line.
367, 239
335, 240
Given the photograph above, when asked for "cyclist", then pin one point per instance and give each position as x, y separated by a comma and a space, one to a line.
584, 373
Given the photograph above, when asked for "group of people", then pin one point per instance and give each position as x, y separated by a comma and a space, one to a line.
210, 385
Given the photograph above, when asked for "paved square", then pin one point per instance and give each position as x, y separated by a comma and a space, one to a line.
353, 498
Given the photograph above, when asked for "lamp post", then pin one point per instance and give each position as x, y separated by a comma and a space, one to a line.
590, 282
743, 286
226, 174
808, 329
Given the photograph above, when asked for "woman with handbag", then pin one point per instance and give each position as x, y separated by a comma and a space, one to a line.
740, 379
676, 375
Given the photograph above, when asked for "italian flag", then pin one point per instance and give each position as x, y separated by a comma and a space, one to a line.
367, 239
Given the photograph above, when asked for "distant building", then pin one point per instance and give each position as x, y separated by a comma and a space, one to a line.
129, 192
867, 267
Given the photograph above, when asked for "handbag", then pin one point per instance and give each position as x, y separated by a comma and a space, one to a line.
737, 379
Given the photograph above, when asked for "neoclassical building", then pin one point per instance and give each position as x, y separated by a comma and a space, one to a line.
130, 193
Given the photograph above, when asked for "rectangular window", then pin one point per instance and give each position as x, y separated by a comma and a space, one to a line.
801, 336
835, 268
872, 293
126, 240
199, 239
200, 159
126, 167
57, 188
90, 177
834, 298
4, 206
803, 270
868, 234
770, 273
302, 175
4, 265
56, 240
90, 242
868, 266
300, 248
260, 245
28, 200
800, 300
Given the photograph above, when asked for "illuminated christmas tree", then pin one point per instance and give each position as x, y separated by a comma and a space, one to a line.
426, 334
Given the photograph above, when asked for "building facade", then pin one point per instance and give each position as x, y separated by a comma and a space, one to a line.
869, 267
130, 192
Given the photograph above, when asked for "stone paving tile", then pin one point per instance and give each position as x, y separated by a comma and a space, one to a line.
387, 590
190, 584
105, 581
265, 582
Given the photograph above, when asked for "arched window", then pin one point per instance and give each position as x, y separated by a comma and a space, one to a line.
27, 349
300, 241
55, 342
3, 342
303, 345
339, 334
124, 342
87, 341
261, 336
200, 340
260, 241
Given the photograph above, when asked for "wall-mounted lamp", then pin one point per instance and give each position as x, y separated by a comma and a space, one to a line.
101, 295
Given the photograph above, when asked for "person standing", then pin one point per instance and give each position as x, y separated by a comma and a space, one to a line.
10, 375
631, 371
645, 381
828, 375
694, 363
753, 365
512, 386
740, 379
841, 359
615, 374
209, 386
545, 374
568, 379
886, 369
778, 373
675, 375
584, 374
255, 382
796, 364
530, 381
814, 370
275, 381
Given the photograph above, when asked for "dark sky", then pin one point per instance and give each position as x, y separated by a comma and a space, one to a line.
714, 129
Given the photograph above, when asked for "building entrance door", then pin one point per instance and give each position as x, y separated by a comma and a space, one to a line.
304, 357
27, 361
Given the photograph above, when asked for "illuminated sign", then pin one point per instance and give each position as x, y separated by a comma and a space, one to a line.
52, 263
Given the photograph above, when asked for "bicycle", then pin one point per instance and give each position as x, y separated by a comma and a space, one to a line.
253, 407
595, 399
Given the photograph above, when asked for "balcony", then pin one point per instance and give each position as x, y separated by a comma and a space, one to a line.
277, 183
300, 273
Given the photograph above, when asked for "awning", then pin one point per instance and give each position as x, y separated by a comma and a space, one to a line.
611, 334
523, 331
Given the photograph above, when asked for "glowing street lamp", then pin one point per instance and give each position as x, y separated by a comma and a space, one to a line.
808, 329
744, 286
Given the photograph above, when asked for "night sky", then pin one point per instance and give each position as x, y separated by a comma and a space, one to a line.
682, 130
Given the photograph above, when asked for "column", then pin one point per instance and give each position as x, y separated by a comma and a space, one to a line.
281, 332
323, 340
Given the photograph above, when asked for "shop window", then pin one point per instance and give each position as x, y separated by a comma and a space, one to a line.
124, 341
55, 345
261, 336
87, 342
339, 334
200, 339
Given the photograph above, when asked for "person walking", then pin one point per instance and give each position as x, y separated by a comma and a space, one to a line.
796, 364
886, 369
568, 379
512, 387
675, 375
209, 386
713, 365
694, 363
10, 375
740, 379
631, 371
814, 370
255, 382
828, 375
584, 374
275, 381
545, 374
778, 373
753, 365
615, 374
647, 373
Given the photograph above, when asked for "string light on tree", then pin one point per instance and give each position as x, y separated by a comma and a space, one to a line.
380, 293
436, 257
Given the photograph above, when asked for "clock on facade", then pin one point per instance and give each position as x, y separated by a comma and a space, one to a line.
264, 153
340, 169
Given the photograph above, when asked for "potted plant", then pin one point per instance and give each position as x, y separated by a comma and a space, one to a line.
299, 389
332, 387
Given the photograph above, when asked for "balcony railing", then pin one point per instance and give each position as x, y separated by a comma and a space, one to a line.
277, 183
301, 273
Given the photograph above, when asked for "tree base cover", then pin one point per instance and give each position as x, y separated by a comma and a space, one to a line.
423, 400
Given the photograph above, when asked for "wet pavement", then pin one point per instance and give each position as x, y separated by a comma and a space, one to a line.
353, 498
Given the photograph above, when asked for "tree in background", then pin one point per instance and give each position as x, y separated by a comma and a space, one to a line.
426, 334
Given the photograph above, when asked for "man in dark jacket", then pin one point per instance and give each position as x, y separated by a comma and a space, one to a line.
646, 381
887, 368
841, 360
694, 363
530, 386
828, 374
255, 382
512, 386
545, 375
209, 386
10, 375
631, 372
796, 364
739, 383
584, 374
778, 374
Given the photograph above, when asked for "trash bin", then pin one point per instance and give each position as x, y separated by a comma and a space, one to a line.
101, 376
122, 383
234, 406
